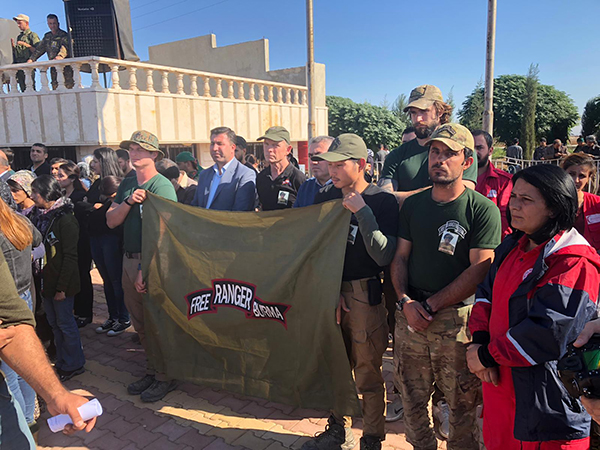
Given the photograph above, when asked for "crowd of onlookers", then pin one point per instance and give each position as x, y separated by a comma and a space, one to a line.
482, 278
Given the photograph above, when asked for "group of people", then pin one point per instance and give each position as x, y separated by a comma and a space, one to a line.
482, 278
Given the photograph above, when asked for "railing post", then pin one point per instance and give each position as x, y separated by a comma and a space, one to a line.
165, 82
288, 96
44, 79
114, 72
219, 88
28, 80
261, 92
194, 85
206, 86
296, 96
241, 94
13, 81
251, 95
270, 91
77, 76
133, 79
180, 90
60, 78
95, 77
149, 80
230, 89
279, 95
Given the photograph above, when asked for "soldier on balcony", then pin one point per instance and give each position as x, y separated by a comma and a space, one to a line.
56, 45
22, 49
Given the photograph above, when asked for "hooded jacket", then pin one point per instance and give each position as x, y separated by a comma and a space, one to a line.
547, 312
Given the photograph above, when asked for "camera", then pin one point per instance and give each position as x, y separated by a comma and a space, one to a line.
579, 369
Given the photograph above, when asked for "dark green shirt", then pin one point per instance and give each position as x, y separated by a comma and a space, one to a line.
132, 227
54, 45
442, 234
408, 166
21, 53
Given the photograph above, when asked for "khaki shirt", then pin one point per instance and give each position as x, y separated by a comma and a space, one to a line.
54, 45
21, 53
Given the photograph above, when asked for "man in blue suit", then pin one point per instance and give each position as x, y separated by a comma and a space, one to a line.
228, 185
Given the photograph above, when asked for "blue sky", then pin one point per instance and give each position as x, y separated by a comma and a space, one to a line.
375, 50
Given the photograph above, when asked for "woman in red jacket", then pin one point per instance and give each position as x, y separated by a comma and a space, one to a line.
582, 168
541, 290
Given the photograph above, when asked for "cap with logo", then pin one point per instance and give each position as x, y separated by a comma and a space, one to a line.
21, 17
276, 134
345, 146
424, 96
185, 156
454, 136
144, 139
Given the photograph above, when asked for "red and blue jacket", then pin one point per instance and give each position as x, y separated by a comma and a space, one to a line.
547, 312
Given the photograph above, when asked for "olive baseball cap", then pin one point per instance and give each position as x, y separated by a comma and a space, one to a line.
454, 136
21, 17
345, 146
422, 97
276, 134
185, 156
144, 139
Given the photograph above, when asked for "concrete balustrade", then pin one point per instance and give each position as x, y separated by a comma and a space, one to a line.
180, 105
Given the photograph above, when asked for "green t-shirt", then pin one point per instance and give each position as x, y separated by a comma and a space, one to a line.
443, 233
132, 227
408, 166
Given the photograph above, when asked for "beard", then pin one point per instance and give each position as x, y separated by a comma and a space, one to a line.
444, 179
482, 162
424, 131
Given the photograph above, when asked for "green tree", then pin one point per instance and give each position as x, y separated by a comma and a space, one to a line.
471, 114
528, 139
376, 125
555, 111
398, 106
590, 120
450, 101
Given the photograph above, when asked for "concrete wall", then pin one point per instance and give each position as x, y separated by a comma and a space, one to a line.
247, 59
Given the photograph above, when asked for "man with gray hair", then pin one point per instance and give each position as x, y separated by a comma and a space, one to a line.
592, 148
229, 186
185, 187
318, 169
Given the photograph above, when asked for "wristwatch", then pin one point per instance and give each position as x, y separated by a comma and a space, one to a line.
130, 204
400, 303
427, 308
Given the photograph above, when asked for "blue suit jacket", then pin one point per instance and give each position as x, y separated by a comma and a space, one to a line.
236, 191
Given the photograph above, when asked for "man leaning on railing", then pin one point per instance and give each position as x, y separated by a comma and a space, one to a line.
56, 45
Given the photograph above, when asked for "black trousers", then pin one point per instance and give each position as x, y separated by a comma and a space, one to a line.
84, 301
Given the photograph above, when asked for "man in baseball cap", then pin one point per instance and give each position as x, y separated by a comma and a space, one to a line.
189, 164
371, 245
144, 151
446, 241
278, 184
23, 48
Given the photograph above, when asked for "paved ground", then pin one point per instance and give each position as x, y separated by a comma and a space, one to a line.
191, 417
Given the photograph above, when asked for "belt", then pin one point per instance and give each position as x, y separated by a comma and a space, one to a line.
129, 255
349, 286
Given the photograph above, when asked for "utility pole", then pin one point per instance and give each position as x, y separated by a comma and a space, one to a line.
488, 113
310, 69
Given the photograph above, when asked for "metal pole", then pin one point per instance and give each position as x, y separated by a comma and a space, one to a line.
310, 69
488, 113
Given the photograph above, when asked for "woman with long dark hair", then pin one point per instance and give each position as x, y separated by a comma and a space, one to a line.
107, 248
68, 177
60, 232
540, 291
582, 168
17, 236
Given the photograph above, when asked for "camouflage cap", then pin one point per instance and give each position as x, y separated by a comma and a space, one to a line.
422, 97
144, 139
185, 156
276, 134
345, 146
21, 17
24, 178
454, 136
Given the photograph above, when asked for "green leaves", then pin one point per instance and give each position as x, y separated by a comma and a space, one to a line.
375, 124
590, 121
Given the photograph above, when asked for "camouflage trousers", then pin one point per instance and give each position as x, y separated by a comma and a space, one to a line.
438, 356
365, 333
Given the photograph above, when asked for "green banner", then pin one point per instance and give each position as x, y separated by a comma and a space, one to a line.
246, 301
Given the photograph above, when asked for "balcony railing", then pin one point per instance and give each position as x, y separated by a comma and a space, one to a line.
141, 77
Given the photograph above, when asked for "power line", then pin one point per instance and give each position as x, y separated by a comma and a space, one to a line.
160, 9
181, 15
146, 4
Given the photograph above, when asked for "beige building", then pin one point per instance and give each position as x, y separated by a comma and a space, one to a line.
185, 89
